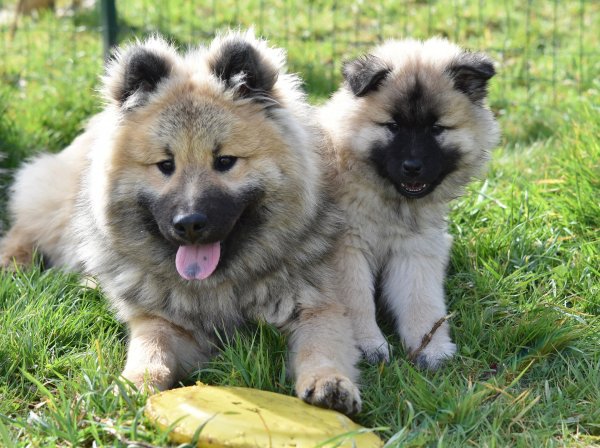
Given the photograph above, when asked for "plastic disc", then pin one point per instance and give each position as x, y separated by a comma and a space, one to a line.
241, 417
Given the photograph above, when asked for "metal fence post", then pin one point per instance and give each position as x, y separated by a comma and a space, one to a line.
108, 13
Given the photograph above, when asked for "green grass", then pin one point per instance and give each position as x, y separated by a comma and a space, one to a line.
524, 281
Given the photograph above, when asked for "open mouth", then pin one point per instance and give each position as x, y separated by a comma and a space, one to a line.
414, 189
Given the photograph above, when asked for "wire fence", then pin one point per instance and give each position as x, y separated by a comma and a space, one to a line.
545, 49
52, 52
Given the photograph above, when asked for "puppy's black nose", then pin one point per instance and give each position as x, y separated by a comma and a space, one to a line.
190, 226
412, 167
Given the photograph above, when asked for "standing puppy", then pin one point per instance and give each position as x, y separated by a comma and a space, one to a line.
197, 198
408, 130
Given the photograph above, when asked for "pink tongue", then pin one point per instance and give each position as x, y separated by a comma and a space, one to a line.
197, 261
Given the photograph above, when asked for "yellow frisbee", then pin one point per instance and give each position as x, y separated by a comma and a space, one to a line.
241, 417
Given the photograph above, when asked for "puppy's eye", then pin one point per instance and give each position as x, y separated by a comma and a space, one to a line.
224, 163
437, 129
167, 167
391, 126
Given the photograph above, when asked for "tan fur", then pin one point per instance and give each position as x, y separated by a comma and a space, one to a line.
113, 208
159, 351
316, 365
45, 223
404, 240
16, 248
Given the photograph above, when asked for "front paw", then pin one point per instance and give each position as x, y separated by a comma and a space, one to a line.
434, 355
149, 380
331, 390
374, 351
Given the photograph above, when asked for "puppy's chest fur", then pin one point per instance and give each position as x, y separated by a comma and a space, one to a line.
193, 306
270, 298
382, 222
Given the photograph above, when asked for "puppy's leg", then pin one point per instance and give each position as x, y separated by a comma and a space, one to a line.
413, 287
160, 353
16, 247
323, 357
357, 291
42, 207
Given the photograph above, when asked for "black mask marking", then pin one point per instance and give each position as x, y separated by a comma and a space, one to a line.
413, 160
231, 219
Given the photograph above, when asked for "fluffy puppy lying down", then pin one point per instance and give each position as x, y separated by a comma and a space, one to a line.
196, 198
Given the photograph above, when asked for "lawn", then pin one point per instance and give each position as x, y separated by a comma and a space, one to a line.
524, 280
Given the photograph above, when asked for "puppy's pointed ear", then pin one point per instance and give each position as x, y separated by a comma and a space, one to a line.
365, 74
136, 71
246, 64
471, 73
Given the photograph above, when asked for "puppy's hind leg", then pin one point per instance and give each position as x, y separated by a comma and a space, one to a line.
42, 208
17, 247
323, 357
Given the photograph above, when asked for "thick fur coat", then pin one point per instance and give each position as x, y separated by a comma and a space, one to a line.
407, 131
197, 199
